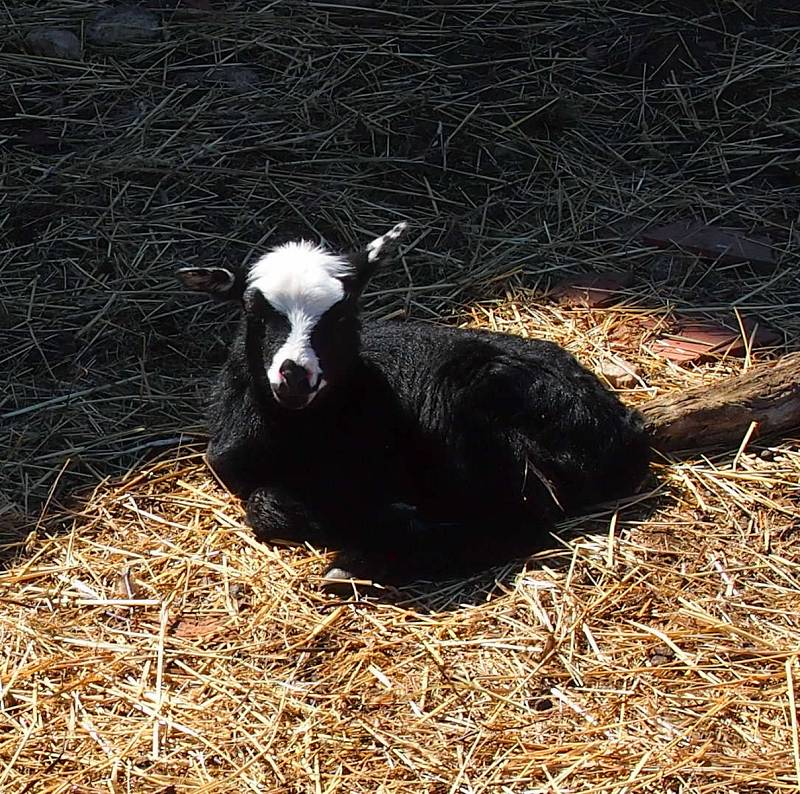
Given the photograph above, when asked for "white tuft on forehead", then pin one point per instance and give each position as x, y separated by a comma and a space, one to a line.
299, 267
302, 281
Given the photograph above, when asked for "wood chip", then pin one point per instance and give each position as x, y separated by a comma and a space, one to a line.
619, 373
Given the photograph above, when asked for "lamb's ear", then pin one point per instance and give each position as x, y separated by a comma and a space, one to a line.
218, 282
385, 246
380, 250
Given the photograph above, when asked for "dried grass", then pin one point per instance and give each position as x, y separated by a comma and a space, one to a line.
149, 644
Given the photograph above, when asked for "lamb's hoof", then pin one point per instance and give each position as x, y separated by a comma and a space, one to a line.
338, 581
336, 574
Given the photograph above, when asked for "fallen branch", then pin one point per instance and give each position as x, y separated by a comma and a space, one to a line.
719, 414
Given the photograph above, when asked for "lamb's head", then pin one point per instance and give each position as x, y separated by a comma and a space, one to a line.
300, 303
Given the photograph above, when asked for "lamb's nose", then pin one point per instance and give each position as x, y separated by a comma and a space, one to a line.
294, 377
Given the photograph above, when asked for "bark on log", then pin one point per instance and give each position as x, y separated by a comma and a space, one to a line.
720, 414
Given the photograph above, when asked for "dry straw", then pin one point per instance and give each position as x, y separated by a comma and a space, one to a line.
149, 643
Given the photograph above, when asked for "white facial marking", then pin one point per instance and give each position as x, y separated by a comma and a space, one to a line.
374, 248
301, 280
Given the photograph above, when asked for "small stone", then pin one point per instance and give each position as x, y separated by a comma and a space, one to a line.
597, 54
667, 268
53, 43
124, 25
619, 373
240, 78
237, 78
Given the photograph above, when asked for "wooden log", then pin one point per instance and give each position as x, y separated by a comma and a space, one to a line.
720, 414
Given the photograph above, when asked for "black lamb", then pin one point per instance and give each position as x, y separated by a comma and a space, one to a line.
414, 449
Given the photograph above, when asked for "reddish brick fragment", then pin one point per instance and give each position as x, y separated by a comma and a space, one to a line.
592, 290
722, 244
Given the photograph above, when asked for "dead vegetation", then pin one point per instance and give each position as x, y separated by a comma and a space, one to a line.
149, 644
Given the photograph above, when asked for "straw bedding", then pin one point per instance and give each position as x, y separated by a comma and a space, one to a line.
149, 643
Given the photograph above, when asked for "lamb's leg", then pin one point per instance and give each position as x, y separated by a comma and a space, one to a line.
276, 515
408, 548
234, 468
